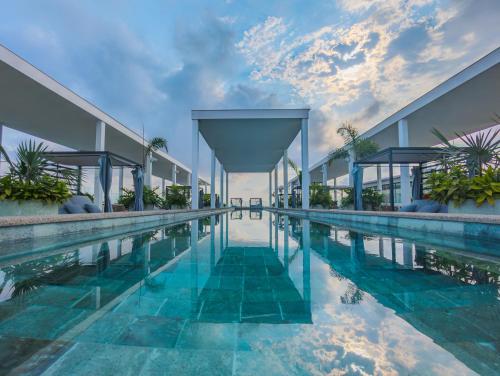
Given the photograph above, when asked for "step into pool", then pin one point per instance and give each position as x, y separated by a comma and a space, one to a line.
250, 293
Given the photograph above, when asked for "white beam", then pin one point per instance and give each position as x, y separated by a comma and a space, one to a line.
221, 198
120, 181
350, 162
270, 189
324, 174
305, 163
100, 136
212, 180
276, 193
285, 178
404, 169
227, 190
149, 168
174, 174
163, 187
379, 178
194, 161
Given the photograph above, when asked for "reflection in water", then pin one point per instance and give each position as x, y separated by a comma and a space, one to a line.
267, 291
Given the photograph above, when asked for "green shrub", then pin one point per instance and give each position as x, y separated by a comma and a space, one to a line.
176, 196
454, 185
371, 198
320, 195
149, 197
46, 189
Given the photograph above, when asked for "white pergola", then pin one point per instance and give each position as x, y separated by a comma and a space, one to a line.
36, 104
466, 102
250, 141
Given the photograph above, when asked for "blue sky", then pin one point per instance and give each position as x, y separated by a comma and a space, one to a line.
151, 62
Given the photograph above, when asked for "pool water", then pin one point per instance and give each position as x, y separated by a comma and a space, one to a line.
248, 293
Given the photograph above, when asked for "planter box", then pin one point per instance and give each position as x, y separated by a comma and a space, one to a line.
32, 207
469, 207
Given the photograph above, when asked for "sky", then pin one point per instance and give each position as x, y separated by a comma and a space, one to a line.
151, 62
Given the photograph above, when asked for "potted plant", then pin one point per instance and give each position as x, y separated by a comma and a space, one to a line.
175, 198
150, 198
33, 185
470, 178
320, 197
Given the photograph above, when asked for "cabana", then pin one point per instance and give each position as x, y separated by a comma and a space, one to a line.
236, 202
104, 161
419, 156
256, 203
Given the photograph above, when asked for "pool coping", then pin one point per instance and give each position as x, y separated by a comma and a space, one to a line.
483, 227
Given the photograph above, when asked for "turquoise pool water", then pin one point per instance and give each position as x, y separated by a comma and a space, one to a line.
250, 293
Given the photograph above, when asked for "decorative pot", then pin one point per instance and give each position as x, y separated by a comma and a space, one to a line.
28, 207
469, 207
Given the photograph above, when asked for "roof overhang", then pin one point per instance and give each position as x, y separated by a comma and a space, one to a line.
249, 140
34, 103
466, 102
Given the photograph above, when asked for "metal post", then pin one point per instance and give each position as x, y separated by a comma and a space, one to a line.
194, 173
100, 137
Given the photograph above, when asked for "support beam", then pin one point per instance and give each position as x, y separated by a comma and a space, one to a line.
212, 180
227, 191
174, 174
285, 179
120, 181
100, 137
270, 189
335, 190
379, 178
404, 169
163, 187
324, 174
276, 192
221, 186
148, 174
304, 133
195, 144
350, 162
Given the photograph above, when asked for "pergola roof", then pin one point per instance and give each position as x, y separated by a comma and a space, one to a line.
249, 140
87, 158
34, 103
466, 102
404, 156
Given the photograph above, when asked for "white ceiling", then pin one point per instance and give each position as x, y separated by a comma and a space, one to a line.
249, 140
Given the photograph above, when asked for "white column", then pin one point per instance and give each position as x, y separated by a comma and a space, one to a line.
212, 180
194, 161
404, 170
174, 174
379, 178
227, 190
221, 200
285, 179
324, 174
163, 187
350, 161
100, 136
148, 173
120, 181
270, 189
305, 164
335, 190
276, 192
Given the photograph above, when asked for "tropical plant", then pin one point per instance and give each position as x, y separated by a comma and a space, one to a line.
46, 189
32, 166
156, 143
175, 197
296, 169
371, 198
454, 185
149, 197
360, 147
479, 150
320, 195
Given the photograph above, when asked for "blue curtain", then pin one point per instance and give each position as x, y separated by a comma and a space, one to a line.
357, 174
106, 177
138, 175
416, 189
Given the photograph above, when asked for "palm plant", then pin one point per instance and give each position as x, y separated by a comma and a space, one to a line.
296, 169
478, 151
31, 165
352, 141
156, 143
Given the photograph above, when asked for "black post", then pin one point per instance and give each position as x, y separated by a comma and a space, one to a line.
106, 187
420, 166
391, 181
79, 181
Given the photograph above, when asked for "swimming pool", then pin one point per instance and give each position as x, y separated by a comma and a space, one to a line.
250, 293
